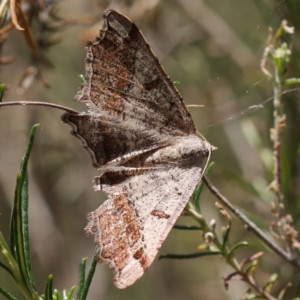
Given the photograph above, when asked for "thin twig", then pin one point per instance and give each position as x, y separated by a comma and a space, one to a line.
276, 142
14, 14
27, 31
251, 226
268, 48
7, 28
65, 108
41, 5
230, 260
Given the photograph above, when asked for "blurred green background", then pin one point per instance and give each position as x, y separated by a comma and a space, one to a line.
213, 48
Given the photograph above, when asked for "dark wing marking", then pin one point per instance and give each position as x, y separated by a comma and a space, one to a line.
124, 78
142, 207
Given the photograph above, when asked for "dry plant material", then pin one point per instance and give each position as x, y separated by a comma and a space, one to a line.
27, 31
13, 5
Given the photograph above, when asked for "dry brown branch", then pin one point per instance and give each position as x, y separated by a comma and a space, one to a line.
6, 59
14, 14
246, 275
252, 227
27, 32
41, 4
6, 28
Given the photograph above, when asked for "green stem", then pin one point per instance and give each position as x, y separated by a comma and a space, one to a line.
13, 266
7, 294
190, 255
251, 226
291, 81
226, 254
276, 140
279, 124
89, 278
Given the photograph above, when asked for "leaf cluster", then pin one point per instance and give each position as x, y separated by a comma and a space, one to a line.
16, 253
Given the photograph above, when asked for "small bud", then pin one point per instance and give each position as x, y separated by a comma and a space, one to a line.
287, 29
202, 247
208, 237
213, 224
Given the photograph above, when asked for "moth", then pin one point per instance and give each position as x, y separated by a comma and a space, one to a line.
142, 139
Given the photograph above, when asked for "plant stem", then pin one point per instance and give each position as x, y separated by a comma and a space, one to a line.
65, 108
276, 141
279, 123
252, 227
229, 258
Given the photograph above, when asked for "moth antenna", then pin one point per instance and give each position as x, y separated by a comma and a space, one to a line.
195, 105
207, 161
201, 136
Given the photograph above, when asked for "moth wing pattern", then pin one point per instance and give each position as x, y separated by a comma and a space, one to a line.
141, 137
130, 227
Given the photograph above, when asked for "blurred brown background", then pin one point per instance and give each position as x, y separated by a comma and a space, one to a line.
213, 48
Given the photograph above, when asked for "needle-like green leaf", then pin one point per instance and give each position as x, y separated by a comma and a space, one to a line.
187, 227
19, 235
1, 91
199, 188
190, 255
7, 294
48, 289
89, 278
71, 291
81, 280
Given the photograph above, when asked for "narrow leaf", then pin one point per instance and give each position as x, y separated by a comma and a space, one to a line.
190, 255
28, 150
17, 247
18, 217
270, 283
24, 207
3, 247
7, 294
3, 266
64, 295
48, 288
236, 247
81, 280
81, 76
19, 222
71, 291
290, 81
13, 266
1, 91
225, 236
283, 291
89, 278
12, 232
56, 295
25, 229
187, 227
251, 268
198, 190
